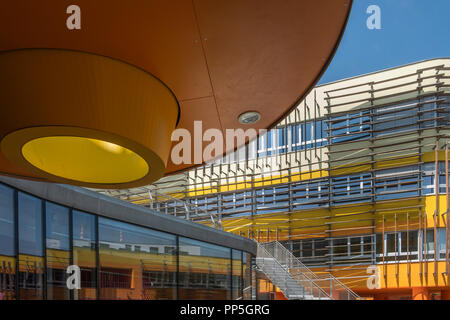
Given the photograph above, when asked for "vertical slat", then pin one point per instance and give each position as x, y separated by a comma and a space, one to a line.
425, 227
420, 248
407, 246
436, 213
384, 251
396, 248
447, 213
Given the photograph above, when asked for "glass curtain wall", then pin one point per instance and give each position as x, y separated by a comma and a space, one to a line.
39, 240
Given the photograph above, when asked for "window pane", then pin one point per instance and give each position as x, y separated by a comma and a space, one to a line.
136, 262
58, 255
31, 277
7, 278
379, 243
442, 238
367, 249
307, 249
237, 274
84, 254
391, 244
57, 227
6, 221
204, 271
404, 238
247, 273
413, 241
340, 247
430, 240
355, 248
30, 225
320, 248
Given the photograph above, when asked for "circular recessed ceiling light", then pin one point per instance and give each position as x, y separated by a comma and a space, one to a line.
249, 117
84, 159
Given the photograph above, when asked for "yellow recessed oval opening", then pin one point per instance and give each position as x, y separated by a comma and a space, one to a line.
84, 159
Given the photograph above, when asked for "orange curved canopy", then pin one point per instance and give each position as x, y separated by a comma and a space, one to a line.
219, 58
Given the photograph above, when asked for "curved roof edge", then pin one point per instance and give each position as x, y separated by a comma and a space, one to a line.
382, 70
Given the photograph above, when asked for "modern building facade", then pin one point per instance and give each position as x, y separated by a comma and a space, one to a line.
356, 176
123, 251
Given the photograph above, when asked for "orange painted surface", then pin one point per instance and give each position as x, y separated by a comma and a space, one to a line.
220, 58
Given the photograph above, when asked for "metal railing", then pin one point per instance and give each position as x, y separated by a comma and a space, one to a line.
165, 203
179, 208
294, 286
329, 284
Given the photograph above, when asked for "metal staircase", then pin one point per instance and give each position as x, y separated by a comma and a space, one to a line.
295, 280
287, 282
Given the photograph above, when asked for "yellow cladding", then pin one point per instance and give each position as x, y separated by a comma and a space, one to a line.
308, 175
394, 275
401, 275
346, 220
258, 182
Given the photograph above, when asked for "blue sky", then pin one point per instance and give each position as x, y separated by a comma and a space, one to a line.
411, 30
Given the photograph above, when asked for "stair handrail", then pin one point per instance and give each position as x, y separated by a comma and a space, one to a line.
292, 260
263, 253
351, 295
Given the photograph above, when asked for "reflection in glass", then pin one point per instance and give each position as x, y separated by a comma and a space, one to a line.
442, 239
84, 254
204, 270
247, 274
265, 289
58, 254
31, 277
30, 225
7, 278
136, 263
31, 263
237, 274
6, 221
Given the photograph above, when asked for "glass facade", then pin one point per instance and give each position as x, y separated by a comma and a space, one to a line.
237, 274
205, 271
31, 247
39, 240
7, 244
84, 248
57, 251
